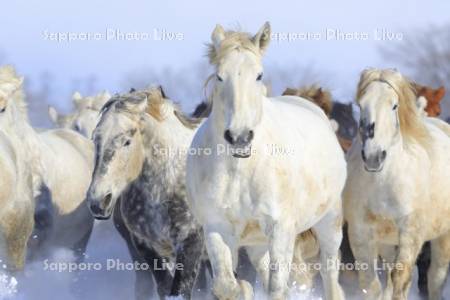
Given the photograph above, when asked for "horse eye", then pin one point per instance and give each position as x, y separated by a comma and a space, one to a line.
260, 76
127, 143
2, 110
395, 107
218, 77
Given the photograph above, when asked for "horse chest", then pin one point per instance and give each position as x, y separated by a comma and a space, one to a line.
161, 222
237, 200
385, 229
390, 198
148, 221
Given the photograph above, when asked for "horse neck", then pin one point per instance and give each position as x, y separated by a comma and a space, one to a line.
25, 141
165, 157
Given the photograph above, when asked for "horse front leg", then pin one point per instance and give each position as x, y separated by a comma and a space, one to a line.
222, 249
440, 258
329, 234
410, 244
16, 227
188, 259
157, 264
259, 257
143, 286
365, 250
281, 251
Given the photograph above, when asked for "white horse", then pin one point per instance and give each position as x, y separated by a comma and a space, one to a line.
86, 114
398, 187
61, 160
18, 155
284, 173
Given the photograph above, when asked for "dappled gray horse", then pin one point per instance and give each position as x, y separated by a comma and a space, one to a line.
140, 144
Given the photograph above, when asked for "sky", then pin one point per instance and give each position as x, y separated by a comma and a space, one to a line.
27, 33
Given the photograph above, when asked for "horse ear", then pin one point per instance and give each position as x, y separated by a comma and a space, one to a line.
319, 93
53, 114
422, 103
18, 84
217, 36
161, 90
21, 79
439, 94
262, 37
77, 99
106, 95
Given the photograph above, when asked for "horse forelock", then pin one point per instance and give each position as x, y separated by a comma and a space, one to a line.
157, 101
412, 126
233, 41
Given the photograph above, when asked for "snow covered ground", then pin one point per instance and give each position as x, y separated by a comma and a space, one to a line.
39, 282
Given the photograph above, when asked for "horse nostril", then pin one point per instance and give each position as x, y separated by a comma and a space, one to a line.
228, 137
95, 208
363, 154
251, 135
107, 200
383, 155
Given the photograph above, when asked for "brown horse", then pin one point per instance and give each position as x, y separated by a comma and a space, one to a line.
315, 94
432, 96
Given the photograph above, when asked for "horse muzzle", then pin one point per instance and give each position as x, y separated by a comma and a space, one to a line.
242, 152
101, 208
240, 145
374, 162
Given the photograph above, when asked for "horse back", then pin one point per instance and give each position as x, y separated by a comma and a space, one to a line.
68, 162
83, 145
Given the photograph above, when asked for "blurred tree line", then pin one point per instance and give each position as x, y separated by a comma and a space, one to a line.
425, 56
188, 85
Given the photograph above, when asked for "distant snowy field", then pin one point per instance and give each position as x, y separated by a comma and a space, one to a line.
40, 284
